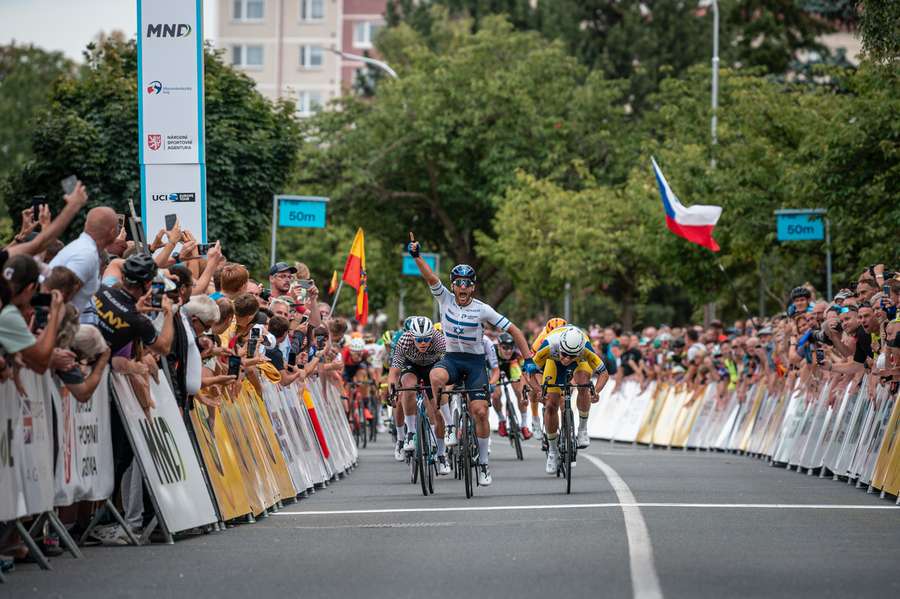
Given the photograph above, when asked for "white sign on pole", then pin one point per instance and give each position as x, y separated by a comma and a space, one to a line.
171, 114
166, 456
170, 77
178, 189
84, 461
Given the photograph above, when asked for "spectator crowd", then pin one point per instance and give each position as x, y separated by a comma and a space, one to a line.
180, 308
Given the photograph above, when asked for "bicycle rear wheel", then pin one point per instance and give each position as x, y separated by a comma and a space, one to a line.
570, 449
422, 453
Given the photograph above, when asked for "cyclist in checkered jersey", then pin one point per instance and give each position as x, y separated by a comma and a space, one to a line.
416, 353
462, 320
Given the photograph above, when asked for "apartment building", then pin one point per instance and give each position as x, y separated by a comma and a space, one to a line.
287, 46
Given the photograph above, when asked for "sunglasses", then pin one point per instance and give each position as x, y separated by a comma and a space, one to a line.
423, 339
570, 356
464, 283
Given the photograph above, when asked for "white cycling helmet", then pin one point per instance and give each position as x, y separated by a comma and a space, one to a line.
571, 341
357, 344
421, 326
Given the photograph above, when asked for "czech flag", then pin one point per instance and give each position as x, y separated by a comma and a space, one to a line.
695, 223
355, 276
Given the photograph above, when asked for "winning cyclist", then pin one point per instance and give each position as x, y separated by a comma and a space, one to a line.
462, 321
416, 352
508, 358
566, 353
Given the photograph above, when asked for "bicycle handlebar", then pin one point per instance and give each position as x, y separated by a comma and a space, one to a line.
466, 391
567, 386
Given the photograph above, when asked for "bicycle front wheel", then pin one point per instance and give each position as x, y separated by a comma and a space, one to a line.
569, 454
515, 433
361, 416
466, 457
423, 449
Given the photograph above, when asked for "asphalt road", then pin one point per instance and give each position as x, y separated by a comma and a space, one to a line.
692, 525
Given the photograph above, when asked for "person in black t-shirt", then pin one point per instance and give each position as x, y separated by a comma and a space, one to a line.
862, 349
631, 357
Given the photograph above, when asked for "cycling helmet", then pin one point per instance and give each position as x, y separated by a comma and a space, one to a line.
555, 323
571, 341
408, 322
421, 327
437, 326
387, 337
139, 268
505, 339
357, 344
462, 271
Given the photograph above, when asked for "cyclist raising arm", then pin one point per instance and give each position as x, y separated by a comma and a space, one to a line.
462, 321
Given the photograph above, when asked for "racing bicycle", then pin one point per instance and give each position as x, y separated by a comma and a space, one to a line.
423, 461
357, 415
566, 445
466, 458
512, 421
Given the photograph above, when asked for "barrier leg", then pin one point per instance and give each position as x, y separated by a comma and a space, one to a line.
64, 537
115, 514
148, 530
37, 525
33, 548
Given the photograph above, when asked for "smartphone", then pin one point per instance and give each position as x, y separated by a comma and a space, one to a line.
68, 184
885, 294
36, 203
41, 316
121, 220
292, 358
820, 355
305, 283
234, 365
170, 221
320, 341
156, 293
41, 300
203, 248
253, 342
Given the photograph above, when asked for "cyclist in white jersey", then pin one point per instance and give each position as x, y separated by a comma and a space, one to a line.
462, 321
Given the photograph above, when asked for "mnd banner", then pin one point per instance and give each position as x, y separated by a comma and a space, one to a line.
171, 133
12, 502
166, 456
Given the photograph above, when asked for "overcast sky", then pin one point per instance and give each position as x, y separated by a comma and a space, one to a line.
68, 25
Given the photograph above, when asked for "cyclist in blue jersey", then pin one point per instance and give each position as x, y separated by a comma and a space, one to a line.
462, 321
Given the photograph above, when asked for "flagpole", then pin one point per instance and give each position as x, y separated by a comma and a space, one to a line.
337, 295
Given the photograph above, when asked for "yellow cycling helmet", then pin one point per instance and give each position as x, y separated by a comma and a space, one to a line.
555, 323
437, 326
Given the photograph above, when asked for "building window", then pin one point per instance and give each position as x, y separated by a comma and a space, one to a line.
312, 10
311, 57
248, 10
308, 103
364, 34
247, 56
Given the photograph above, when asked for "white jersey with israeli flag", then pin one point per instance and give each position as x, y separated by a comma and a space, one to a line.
463, 326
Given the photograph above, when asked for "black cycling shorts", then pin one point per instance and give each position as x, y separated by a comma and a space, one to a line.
423, 373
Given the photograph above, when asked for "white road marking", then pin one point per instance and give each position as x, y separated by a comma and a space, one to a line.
570, 506
644, 581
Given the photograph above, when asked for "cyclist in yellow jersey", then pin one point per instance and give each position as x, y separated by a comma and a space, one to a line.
535, 400
566, 354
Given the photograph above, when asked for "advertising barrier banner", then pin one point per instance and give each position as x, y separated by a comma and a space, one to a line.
166, 456
36, 460
84, 461
12, 501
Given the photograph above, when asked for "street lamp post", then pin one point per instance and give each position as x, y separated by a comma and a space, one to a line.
715, 82
378, 64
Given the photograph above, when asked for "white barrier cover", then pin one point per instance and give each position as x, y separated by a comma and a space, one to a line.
282, 428
84, 462
167, 456
12, 502
36, 461
304, 437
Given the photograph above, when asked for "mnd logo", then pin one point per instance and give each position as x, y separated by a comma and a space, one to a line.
168, 30
167, 460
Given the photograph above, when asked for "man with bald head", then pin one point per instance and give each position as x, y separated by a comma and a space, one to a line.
85, 256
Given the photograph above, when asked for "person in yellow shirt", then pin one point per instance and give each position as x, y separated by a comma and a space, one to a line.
565, 354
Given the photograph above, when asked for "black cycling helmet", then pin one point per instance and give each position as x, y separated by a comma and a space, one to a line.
505, 339
139, 268
800, 292
462, 271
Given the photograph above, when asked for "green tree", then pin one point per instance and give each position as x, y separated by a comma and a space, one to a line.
880, 29
434, 148
90, 129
